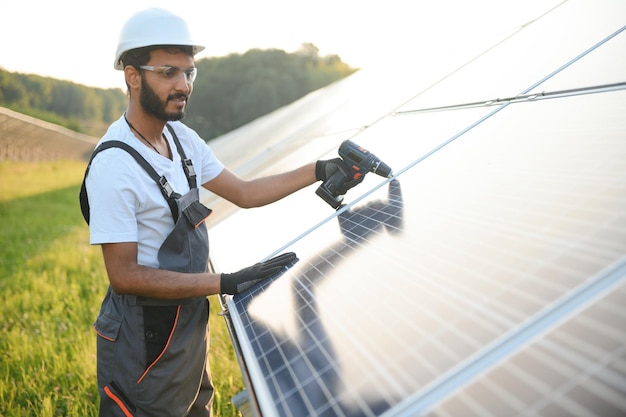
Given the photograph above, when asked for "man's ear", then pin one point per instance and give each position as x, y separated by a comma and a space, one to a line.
133, 77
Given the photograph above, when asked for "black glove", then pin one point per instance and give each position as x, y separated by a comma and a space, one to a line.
324, 169
350, 176
236, 282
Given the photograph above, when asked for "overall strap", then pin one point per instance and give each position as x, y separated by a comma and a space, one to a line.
164, 185
190, 172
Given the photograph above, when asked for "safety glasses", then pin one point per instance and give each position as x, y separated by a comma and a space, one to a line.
172, 73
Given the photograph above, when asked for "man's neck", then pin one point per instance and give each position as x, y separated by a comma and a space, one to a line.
149, 126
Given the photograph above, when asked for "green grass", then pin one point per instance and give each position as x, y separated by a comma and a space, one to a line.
51, 285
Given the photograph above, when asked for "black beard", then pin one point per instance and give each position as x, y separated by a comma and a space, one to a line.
153, 105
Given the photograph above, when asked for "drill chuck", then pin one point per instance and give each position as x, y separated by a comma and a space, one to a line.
382, 169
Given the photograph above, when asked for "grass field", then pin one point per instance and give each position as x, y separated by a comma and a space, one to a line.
51, 285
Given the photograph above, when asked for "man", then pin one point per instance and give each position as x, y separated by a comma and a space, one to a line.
140, 197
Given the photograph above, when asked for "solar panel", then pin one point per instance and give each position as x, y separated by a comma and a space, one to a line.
487, 277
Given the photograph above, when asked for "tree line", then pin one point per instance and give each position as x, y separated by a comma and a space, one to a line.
77, 107
229, 91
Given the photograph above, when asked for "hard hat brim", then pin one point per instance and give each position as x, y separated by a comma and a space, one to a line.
118, 65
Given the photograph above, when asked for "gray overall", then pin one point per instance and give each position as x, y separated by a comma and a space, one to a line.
152, 354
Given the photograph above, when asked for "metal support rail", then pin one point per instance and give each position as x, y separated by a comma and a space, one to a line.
525, 98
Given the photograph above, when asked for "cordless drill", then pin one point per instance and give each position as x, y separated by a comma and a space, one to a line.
359, 161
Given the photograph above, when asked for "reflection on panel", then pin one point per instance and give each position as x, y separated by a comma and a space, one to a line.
486, 278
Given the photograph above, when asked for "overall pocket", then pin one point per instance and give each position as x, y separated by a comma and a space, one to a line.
108, 327
159, 326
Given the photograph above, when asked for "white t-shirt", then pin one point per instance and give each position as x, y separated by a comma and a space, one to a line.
126, 205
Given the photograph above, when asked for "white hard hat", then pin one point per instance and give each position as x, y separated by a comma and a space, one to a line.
153, 27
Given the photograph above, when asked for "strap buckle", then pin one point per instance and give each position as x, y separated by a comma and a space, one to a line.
166, 188
190, 172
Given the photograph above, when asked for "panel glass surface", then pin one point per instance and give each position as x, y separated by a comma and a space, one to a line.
415, 280
576, 369
486, 278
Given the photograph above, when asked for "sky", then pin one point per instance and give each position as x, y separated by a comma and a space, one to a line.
76, 39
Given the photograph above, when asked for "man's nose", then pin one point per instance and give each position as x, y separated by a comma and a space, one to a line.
183, 83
